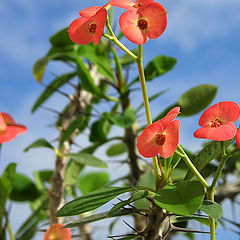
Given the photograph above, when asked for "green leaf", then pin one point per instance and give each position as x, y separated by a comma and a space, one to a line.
6, 184
100, 130
41, 177
39, 68
196, 99
23, 189
26, 229
92, 181
202, 220
208, 153
41, 142
91, 201
116, 149
98, 217
151, 99
75, 124
136, 196
61, 38
52, 88
126, 120
99, 57
158, 66
183, 198
212, 209
86, 79
72, 172
88, 159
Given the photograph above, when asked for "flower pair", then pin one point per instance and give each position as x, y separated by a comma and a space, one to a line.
144, 19
8, 128
160, 137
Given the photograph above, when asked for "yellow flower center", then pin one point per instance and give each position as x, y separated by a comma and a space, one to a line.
216, 123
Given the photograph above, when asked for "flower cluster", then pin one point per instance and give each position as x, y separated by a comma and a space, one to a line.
143, 19
55, 232
8, 128
217, 123
160, 137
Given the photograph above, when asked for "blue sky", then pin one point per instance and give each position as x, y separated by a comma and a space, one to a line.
203, 35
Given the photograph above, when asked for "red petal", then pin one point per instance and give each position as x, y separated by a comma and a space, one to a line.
157, 19
9, 134
238, 138
89, 12
8, 119
55, 232
128, 23
146, 144
20, 129
224, 133
100, 19
2, 123
144, 2
171, 115
225, 111
78, 31
126, 4
172, 139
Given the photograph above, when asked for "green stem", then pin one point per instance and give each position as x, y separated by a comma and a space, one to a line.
120, 45
113, 38
210, 196
186, 159
147, 107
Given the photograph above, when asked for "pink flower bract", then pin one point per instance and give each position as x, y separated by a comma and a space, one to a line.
89, 27
140, 24
56, 233
217, 122
160, 137
8, 128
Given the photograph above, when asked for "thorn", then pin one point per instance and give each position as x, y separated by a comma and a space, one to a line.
177, 229
130, 226
51, 110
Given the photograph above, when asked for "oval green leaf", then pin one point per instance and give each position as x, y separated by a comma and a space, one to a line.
183, 198
196, 99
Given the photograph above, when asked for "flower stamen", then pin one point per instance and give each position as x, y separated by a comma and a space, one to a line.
92, 28
216, 123
160, 138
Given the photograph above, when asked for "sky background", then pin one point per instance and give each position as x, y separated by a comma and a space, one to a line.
203, 35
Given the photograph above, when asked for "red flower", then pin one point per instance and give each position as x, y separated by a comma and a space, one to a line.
217, 122
161, 137
142, 23
238, 137
56, 233
89, 27
129, 4
8, 128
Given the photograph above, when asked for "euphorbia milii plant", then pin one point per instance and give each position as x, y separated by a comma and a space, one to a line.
8, 128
